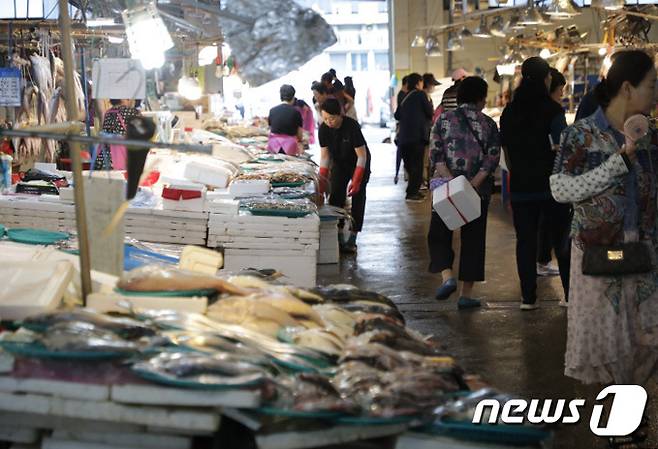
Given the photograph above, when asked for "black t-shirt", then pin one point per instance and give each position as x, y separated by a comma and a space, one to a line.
342, 142
284, 119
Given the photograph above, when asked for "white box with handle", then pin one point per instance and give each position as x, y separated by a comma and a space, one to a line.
456, 202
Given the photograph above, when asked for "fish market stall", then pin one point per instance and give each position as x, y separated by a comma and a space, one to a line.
292, 367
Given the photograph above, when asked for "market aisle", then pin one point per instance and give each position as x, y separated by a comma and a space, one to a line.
516, 351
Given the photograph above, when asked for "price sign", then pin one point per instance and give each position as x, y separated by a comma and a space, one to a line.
10, 87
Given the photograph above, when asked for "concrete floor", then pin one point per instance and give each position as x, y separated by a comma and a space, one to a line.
517, 352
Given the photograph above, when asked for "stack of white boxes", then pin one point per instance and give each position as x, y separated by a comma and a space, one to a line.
329, 250
148, 225
288, 245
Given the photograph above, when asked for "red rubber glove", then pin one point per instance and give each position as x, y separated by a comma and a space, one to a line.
323, 180
357, 179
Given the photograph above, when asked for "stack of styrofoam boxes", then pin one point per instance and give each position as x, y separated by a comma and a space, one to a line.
33, 212
167, 226
329, 251
288, 245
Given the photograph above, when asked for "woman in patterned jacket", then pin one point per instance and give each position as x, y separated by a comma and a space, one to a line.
464, 142
613, 320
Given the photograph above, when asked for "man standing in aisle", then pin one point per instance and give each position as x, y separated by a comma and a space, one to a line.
449, 100
344, 165
429, 86
404, 90
414, 114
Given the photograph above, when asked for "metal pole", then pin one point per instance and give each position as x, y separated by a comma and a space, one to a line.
83, 72
76, 162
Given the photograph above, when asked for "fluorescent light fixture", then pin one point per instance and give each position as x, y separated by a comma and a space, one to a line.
545, 53
95, 23
147, 35
115, 39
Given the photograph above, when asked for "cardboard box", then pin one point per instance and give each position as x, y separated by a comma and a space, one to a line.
457, 203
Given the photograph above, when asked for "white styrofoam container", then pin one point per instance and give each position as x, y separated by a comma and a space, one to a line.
193, 205
456, 202
29, 288
207, 173
249, 187
329, 252
299, 269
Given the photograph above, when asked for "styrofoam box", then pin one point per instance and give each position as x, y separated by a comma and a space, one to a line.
249, 187
207, 173
194, 205
329, 252
456, 202
299, 269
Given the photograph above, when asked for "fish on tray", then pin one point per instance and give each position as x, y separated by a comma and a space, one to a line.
204, 369
246, 311
321, 340
153, 278
84, 337
310, 392
349, 293
124, 326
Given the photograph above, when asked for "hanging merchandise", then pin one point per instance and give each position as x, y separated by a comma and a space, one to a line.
10, 87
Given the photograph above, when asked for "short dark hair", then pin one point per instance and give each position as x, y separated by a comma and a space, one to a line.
333, 72
287, 92
413, 79
557, 80
327, 78
331, 106
472, 89
318, 87
338, 86
115, 102
405, 80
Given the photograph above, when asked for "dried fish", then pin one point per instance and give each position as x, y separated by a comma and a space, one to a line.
252, 314
85, 337
321, 340
311, 392
126, 327
349, 293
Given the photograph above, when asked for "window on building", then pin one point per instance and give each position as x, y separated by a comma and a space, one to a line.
382, 6
338, 61
359, 62
381, 61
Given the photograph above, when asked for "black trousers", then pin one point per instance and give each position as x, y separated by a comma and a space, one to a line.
544, 243
412, 155
473, 246
340, 178
527, 216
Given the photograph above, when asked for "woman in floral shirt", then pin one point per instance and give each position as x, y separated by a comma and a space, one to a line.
613, 321
464, 142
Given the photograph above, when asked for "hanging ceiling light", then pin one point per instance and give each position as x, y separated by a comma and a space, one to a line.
455, 43
418, 42
189, 88
147, 35
513, 23
115, 39
603, 51
498, 27
532, 16
562, 10
482, 29
545, 53
610, 5
432, 47
465, 33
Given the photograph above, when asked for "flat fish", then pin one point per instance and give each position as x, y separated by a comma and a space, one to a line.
86, 337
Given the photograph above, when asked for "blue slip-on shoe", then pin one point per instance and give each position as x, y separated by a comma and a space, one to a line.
448, 288
468, 303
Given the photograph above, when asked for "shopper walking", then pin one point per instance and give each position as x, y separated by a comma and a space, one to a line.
286, 125
544, 244
344, 165
464, 142
613, 320
413, 114
525, 126
429, 86
115, 121
404, 90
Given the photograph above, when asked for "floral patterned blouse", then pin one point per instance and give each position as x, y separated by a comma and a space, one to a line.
455, 145
613, 198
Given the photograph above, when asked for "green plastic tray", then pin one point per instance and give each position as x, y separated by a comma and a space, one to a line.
274, 411
279, 213
168, 294
374, 421
288, 184
35, 236
2, 231
170, 381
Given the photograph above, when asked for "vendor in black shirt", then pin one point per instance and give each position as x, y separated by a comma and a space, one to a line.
286, 124
345, 153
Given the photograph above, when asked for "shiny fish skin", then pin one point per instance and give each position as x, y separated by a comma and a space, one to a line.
126, 327
81, 336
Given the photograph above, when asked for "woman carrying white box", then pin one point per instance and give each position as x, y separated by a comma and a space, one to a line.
465, 142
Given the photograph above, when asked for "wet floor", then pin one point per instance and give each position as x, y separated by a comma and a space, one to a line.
517, 352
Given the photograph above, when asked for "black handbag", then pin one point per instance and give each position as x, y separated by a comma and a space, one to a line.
617, 260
